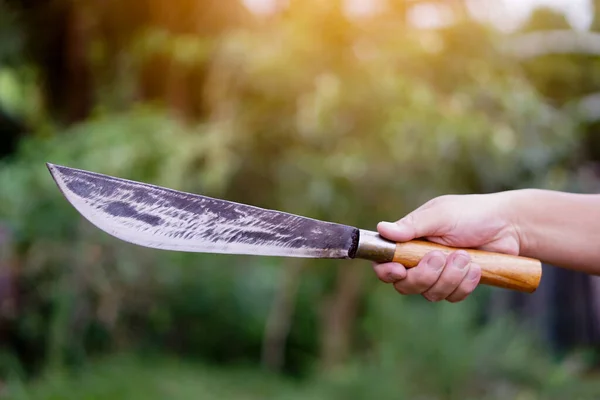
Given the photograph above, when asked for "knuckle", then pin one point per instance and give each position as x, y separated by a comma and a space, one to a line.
434, 201
452, 281
408, 219
448, 284
439, 201
380, 275
437, 293
401, 289
461, 293
431, 297
424, 280
391, 277
380, 271
456, 299
389, 273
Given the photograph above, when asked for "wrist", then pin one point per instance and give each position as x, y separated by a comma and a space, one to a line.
516, 210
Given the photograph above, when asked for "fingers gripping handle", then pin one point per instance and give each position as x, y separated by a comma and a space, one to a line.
500, 270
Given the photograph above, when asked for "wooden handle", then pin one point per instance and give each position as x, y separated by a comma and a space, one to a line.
500, 270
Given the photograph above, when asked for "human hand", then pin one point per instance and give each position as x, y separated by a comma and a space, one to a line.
467, 221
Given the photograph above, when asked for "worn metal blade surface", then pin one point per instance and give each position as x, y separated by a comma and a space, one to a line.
161, 218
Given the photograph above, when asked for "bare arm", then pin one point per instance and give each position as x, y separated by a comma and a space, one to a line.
561, 229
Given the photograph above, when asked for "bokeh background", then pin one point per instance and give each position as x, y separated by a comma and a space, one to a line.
348, 111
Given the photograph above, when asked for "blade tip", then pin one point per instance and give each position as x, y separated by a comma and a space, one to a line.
56, 175
51, 167
55, 169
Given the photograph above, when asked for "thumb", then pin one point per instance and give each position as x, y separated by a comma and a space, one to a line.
419, 223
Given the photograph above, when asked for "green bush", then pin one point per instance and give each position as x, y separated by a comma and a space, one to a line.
329, 135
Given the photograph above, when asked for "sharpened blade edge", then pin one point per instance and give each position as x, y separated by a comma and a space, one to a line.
152, 216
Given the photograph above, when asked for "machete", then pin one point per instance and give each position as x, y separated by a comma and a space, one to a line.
161, 218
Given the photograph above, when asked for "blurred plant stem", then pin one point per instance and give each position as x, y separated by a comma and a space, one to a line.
338, 316
281, 314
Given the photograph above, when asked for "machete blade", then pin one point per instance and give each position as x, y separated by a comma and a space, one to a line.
161, 218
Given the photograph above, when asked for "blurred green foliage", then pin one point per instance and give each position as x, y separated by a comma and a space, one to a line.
353, 125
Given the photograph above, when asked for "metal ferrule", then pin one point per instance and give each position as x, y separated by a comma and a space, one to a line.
371, 246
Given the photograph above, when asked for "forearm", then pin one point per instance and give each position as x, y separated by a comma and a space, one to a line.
561, 229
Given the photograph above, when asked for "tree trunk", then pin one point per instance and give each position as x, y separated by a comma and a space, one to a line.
339, 315
8, 292
59, 37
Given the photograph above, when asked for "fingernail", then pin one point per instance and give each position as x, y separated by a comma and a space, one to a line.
473, 274
460, 260
436, 262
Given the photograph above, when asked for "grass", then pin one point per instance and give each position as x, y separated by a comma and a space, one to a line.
124, 377
121, 377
